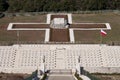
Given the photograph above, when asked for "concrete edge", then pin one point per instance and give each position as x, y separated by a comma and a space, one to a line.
71, 34
70, 18
85, 77
47, 35
10, 27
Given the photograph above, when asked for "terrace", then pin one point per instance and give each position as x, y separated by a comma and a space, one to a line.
66, 34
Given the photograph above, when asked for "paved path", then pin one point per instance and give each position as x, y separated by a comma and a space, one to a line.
61, 77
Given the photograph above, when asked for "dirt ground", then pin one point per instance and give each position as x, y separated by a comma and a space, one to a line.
6, 76
32, 35
31, 26
87, 26
108, 77
85, 36
6, 35
59, 35
112, 18
89, 36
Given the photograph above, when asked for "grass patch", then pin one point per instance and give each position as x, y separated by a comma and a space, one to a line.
112, 18
35, 18
107, 76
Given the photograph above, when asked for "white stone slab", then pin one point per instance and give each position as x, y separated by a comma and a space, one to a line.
59, 20
47, 35
48, 18
27, 58
69, 18
71, 32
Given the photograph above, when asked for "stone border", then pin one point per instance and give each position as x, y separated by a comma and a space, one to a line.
48, 18
71, 34
108, 27
47, 35
47, 30
69, 17
10, 27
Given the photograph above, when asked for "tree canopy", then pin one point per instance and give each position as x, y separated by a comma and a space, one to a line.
58, 5
3, 5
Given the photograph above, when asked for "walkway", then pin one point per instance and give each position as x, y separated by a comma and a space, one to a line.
61, 77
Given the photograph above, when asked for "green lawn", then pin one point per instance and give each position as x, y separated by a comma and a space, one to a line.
37, 18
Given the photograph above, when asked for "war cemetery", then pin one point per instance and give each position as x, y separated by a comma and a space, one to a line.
61, 46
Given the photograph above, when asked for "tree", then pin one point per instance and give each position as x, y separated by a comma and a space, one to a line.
29, 6
3, 5
15, 5
38, 5
118, 4
59, 5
